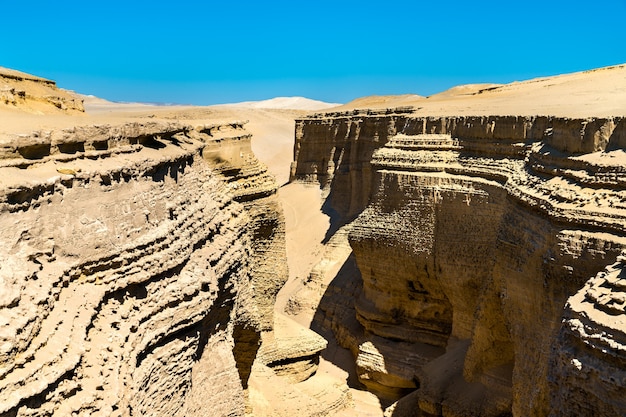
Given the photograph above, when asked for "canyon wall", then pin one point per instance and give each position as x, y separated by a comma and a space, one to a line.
139, 268
476, 243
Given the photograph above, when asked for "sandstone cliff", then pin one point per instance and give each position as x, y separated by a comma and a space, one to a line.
137, 275
33, 94
469, 236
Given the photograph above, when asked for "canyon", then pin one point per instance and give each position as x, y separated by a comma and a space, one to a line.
469, 235
460, 255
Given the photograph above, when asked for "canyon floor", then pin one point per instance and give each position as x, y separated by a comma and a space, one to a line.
322, 227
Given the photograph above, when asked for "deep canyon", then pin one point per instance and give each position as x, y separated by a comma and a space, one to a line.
458, 261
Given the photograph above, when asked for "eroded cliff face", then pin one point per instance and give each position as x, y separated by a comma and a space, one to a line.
25, 92
137, 272
470, 235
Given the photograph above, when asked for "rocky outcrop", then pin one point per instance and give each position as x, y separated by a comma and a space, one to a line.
129, 273
338, 149
28, 92
291, 350
469, 235
589, 372
229, 152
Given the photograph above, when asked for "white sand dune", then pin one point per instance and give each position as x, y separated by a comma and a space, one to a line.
291, 103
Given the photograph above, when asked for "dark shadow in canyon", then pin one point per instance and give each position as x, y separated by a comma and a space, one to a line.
336, 220
337, 308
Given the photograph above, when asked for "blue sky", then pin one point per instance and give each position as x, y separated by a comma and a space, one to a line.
207, 52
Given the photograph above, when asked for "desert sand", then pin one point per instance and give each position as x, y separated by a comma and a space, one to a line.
599, 92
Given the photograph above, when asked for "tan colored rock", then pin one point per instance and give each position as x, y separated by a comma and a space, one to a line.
471, 234
228, 150
126, 278
291, 350
142, 258
33, 94
588, 370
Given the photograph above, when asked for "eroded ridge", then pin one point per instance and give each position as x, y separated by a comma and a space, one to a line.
127, 281
591, 352
229, 152
22, 91
469, 234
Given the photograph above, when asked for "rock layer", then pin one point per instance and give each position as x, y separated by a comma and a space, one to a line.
22, 91
128, 278
589, 369
469, 234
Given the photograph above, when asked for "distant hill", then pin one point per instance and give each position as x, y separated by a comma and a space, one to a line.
382, 101
93, 103
291, 103
596, 92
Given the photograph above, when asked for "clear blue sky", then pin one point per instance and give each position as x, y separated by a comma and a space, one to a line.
207, 52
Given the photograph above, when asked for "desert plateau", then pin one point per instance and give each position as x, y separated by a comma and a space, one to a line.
459, 254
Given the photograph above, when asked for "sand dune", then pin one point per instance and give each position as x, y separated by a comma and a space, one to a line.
291, 103
599, 92
465, 90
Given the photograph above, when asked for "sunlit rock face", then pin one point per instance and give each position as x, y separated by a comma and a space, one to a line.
470, 234
129, 280
37, 95
588, 367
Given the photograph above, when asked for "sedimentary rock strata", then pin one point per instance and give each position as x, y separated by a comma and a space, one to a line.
589, 371
35, 94
469, 235
128, 272
474, 265
230, 154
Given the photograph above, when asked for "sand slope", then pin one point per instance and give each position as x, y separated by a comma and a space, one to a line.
599, 92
